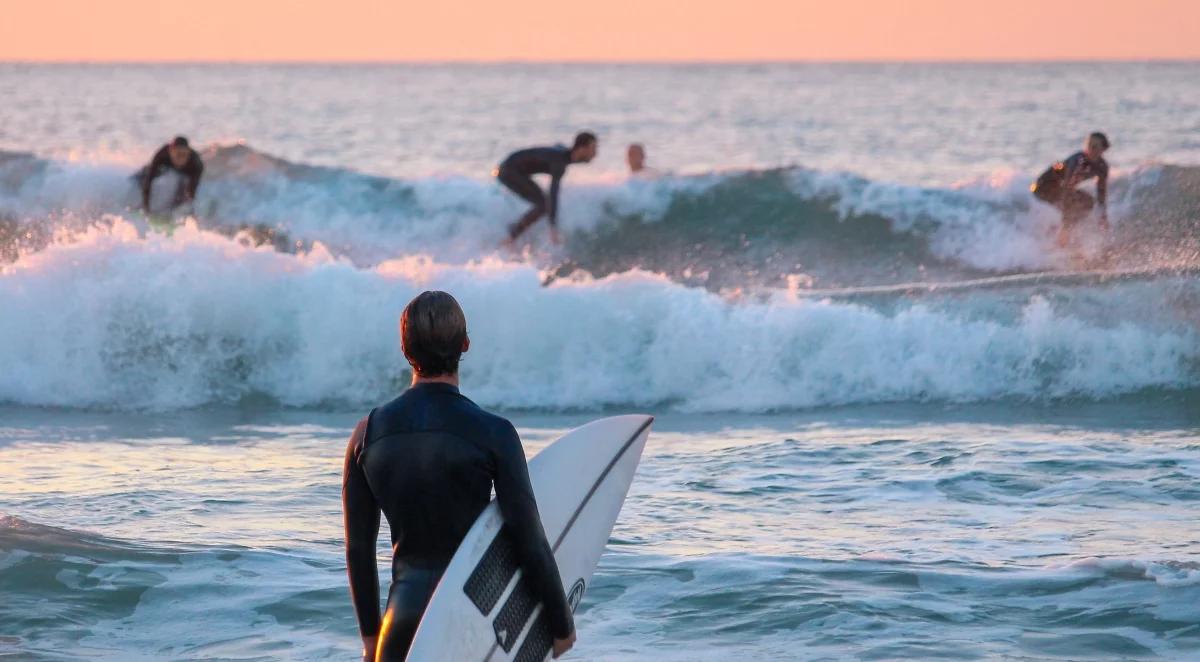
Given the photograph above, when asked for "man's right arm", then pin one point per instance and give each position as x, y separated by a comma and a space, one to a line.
552, 198
160, 159
360, 513
515, 496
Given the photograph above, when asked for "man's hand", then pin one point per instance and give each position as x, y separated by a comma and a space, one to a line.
369, 645
563, 645
554, 235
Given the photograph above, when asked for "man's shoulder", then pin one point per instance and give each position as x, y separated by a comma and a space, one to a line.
496, 425
469, 417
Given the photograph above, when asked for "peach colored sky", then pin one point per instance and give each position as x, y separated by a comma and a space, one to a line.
620, 30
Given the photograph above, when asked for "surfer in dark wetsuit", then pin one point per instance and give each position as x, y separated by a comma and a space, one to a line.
176, 155
516, 170
428, 461
1057, 185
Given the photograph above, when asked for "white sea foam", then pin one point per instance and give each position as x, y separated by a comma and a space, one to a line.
112, 319
990, 224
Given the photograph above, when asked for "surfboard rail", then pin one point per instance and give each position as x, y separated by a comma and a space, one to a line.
482, 609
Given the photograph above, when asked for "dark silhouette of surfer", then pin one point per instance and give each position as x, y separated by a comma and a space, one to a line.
178, 156
517, 170
1057, 185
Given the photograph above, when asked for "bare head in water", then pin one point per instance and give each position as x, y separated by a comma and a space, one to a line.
180, 151
635, 156
433, 333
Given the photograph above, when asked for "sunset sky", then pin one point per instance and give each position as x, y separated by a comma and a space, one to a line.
607, 30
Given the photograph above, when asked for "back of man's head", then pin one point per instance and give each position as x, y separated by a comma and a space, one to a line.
433, 332
1100, 139
180, 141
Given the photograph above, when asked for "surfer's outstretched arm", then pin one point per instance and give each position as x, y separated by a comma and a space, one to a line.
161, 159
517, 504
146, 192
360, 515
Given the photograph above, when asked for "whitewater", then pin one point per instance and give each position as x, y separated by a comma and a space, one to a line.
286, 259
894, 420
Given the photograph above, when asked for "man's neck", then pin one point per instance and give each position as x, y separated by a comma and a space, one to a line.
439, 379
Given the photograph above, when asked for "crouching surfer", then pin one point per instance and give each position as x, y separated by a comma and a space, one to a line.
1057, 186
179, 157
428, 461
516, 174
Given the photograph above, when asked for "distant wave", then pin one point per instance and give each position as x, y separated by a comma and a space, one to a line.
720, 230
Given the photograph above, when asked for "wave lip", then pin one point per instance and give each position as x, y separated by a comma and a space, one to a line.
717, 230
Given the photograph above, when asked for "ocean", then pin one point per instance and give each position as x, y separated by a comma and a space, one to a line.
894, 420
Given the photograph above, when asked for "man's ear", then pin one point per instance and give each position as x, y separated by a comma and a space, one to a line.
466, 344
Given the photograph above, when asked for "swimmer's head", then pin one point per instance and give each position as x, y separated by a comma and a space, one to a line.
433, 334
1096, 145
180, 151
635, 156
584, 148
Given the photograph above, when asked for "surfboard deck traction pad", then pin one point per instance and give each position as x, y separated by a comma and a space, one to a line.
514, 614
495, 570
486, 584
537, 643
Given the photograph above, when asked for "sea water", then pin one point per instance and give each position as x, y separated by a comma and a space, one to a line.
852, 459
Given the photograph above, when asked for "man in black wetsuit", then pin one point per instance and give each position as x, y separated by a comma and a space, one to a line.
428, 460
1057, 185
516, 170
176, 155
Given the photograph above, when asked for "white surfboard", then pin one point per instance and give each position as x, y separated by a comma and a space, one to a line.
481, 611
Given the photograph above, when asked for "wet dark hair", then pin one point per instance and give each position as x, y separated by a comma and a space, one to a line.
180, 141
432, 331
1101, 137
583, 139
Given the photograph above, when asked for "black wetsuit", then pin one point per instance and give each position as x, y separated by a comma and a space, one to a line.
428, 460
159, 165
516, 173
1057, 186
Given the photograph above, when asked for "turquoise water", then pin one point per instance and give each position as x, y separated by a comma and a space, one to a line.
887, 532
895, 420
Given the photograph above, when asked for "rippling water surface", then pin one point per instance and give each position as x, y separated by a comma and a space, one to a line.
893, 532
895, 419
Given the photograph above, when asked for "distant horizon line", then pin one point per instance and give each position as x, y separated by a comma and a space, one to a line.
627, 62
